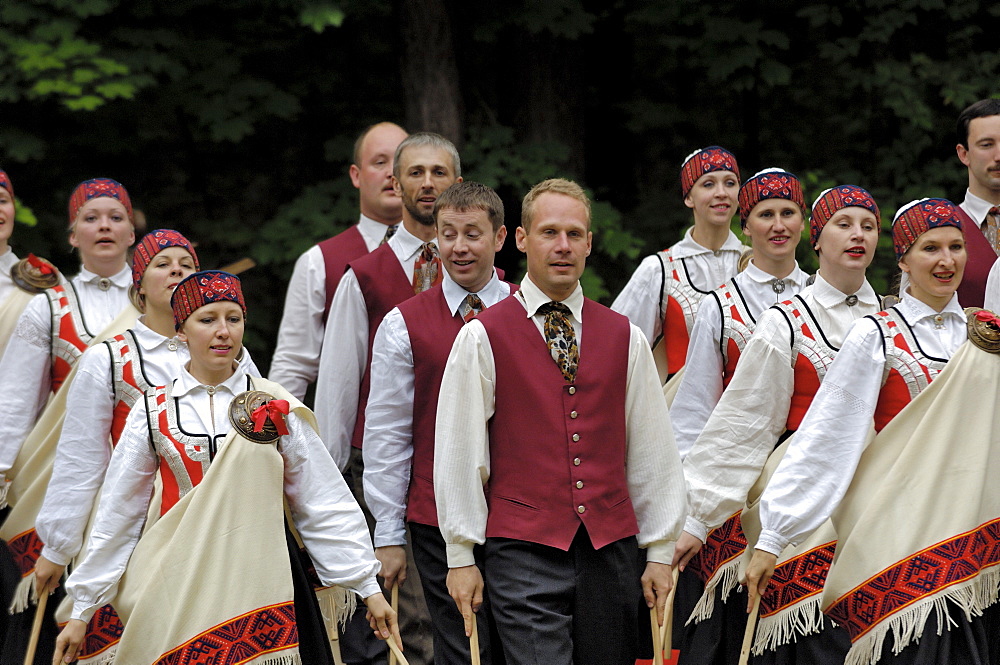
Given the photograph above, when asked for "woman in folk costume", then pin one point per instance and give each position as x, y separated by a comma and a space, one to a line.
771, 214
59, 324
109, 379
915, 510
15, 292
212, 580
664, 292
779, 372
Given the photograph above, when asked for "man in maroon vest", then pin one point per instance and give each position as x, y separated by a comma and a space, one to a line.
978, 133
553, 402
424, 166
408, 359
318, 271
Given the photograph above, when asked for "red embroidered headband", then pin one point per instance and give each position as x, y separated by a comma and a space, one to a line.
834, 199
95, 189
769, 184
152, 244
204, 288
706, 160
918, 217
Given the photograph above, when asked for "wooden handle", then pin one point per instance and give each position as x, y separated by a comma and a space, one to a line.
657, 642
36, 628
667, 632
748, 634
474, 641
394, 652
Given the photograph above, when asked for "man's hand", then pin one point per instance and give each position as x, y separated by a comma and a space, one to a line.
759, 573
465, 586
393, 560
687, 546
657, 581
69, 641
382, 619
47, 576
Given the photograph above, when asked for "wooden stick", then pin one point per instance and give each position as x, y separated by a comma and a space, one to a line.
474, 641
394, 603
657, 643
36, 628
667, 633
748, 635
236, 267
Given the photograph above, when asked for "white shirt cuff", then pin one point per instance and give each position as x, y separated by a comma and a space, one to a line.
696, 529
460, 555
771, 541
369, 588
55, 557
662, 551
390, 532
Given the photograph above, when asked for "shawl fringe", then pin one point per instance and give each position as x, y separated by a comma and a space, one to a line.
971, 598
277, 659
337, 605
785, 627
726, 579
24, 594
106, 657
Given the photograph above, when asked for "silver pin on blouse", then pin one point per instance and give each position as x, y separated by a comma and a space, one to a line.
172, 345
938, 321
778, 285
851, 300
104, 284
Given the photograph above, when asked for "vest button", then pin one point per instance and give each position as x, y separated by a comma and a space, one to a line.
576, 437
573, 414
579, 484
580, 509
572, 390
576, 461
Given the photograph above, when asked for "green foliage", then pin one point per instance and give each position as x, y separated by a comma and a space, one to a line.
25, 215
320, 17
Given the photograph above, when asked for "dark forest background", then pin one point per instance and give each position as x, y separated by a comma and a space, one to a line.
233, 122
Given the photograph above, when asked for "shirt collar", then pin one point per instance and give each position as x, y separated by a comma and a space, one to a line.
186, 384
796, 277
121, 279
828, 296
689, 247
976, 207
455, 295
7, 261
149, 338
371, 230
533, 298
915, 310
405, 243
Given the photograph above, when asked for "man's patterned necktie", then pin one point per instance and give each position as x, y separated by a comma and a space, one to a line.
561, 338
993, 228
390, 231
471, 306
427, 268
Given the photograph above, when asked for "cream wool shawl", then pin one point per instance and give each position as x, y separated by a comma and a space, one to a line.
919, 527
10, 312
33, 468
210, 582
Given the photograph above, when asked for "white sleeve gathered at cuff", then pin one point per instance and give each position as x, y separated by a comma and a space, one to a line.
741, 433
388, 442
461, 445
341, 368
696, 528
652, 466
326, 515
820, 462
640, 299
82, 458
121, 515
300, 335
701, 385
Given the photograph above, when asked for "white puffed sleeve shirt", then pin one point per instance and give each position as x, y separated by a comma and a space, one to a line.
819, 464
744, 427
295, 363
702, 386
707, 269
325, 514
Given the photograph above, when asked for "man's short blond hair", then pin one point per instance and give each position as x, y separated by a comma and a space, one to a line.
554, 186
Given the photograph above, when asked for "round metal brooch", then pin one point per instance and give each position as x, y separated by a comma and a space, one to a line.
984, 329
31, 278
240, 410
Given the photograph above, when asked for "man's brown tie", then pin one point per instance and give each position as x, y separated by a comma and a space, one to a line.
471, 306
427, 268
993, 228
561, 338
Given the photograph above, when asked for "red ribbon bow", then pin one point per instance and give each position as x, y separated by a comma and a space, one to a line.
274, 410
987, 316
42, 266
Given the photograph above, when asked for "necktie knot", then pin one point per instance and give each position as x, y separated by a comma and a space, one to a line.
471, 306
390, 231
995, 210
426, 268
429, 251
992, 228
561, 338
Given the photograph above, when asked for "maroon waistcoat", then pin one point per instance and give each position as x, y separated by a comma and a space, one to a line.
338, 252
558, 450
384, 286
972, 290
432, 329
